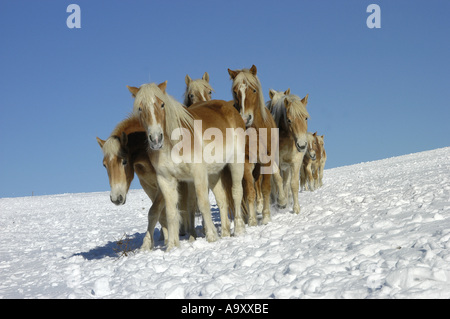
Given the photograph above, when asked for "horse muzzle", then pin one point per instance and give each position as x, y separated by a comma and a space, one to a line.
155, 141
301, 147
119, 200
248, 120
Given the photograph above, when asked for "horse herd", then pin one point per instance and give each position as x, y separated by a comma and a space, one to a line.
249, 153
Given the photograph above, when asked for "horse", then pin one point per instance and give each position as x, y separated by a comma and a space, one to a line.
197, 90
309, 164
165, 121
323, 157
291, 117
125, 153
249, 101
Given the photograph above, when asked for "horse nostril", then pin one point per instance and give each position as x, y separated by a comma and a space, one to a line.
120, 199
161, 137
301, 148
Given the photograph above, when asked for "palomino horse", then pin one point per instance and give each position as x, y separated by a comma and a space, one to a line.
323, 157
291, 116
125, 152
309, 165
197, 90
166, 122
249, 101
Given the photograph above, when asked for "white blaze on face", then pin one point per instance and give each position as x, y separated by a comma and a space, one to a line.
203, 97
153, 116
242, 88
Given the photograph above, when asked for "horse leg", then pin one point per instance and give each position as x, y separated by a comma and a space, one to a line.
295, 167
265, 186
217, 187
316, 177
322, 167
250, 194
237, 174
287, 183
310, 177
282, 198
191, 209
303, 176
167, 186
187, 210
201, 189
153, 216
163, 221
259, 198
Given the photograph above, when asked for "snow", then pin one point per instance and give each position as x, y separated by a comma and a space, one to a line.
374, 230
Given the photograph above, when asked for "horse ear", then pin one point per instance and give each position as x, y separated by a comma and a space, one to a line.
305, 99
124, 139
253, 70
206, 77
315, 134
232, 74
187, 79
133, 90
287, 92
271, 93
163, 86
100, 142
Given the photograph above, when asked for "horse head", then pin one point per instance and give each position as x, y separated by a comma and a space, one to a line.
247, 94
297, 120
116, 160
197, 90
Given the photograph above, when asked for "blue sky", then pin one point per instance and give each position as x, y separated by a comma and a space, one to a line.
374, 93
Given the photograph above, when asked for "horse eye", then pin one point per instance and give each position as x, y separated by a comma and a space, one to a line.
210, 92
140, 109
162, 105
124, 162
254, 91
289, 121
104, 165
191, 96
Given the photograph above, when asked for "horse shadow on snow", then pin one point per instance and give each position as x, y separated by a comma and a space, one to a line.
113, 249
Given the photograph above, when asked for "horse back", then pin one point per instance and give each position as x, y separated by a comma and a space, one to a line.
217, 113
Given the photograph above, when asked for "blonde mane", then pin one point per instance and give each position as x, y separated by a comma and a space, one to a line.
196, 85
278, 111
296, 110
246, 77
112, 145
176, 115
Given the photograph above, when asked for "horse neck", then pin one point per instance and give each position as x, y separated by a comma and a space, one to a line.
137, 145
128, 126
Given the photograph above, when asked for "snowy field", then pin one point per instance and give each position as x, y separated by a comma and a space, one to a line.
374, 230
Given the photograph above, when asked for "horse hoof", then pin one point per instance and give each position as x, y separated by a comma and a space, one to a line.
252, 222
239, 231
266, 219
226, 233
145, 248
211, 238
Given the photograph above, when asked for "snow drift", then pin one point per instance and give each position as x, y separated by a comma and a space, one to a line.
374, 230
